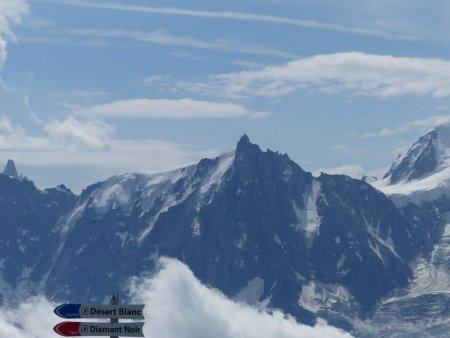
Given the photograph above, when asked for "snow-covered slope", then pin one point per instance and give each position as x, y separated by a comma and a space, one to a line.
423, 173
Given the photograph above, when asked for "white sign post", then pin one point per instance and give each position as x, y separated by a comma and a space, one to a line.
114, 301
114, 311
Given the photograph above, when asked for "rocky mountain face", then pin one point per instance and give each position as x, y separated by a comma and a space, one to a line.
251, 223
423, 195
230, 219
28, 237
420, 160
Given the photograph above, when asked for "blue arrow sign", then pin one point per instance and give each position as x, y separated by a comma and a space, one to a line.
71, 311
68, 311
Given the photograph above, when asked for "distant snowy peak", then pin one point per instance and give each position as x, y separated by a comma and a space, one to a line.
10, 169
423, 173
420, 160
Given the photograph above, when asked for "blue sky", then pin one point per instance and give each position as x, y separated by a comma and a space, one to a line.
95, 88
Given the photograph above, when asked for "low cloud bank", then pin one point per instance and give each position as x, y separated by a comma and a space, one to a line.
177, 306
33, 318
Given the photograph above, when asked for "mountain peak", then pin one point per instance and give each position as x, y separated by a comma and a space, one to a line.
423, 173
421, 158
244, 139
10, 169
244, 147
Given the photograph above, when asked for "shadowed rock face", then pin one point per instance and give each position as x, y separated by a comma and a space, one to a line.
28, 233
10, 169
250, 223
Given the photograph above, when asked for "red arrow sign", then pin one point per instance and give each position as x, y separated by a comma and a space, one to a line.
68, 329
76, 329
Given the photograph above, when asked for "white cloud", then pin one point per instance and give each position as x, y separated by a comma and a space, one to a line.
340, 147
352, 170
93, 135
162, 37
240, 16
421, 125
78, 153
425, 124
33, 319
118, 156
153, 78
3, 52
354, 72
385, 131
162, 108
13, 137
400, 19
247, 64
177, 306
180, 306
6, 126
188, 56
63, 41
421, 19
77, 167
11, 13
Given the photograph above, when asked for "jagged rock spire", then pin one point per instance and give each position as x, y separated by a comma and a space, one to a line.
244, 145
10, 169
244, 139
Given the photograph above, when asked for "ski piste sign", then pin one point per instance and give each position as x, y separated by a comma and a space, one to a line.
77, 329
72, 311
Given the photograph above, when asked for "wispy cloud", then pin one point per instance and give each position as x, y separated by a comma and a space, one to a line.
165, 108
340, 147
423, 20
162, 37
421, 125
188, 56
230, 15
385, 131
58, 40
14, 137
354, 72
352, 170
